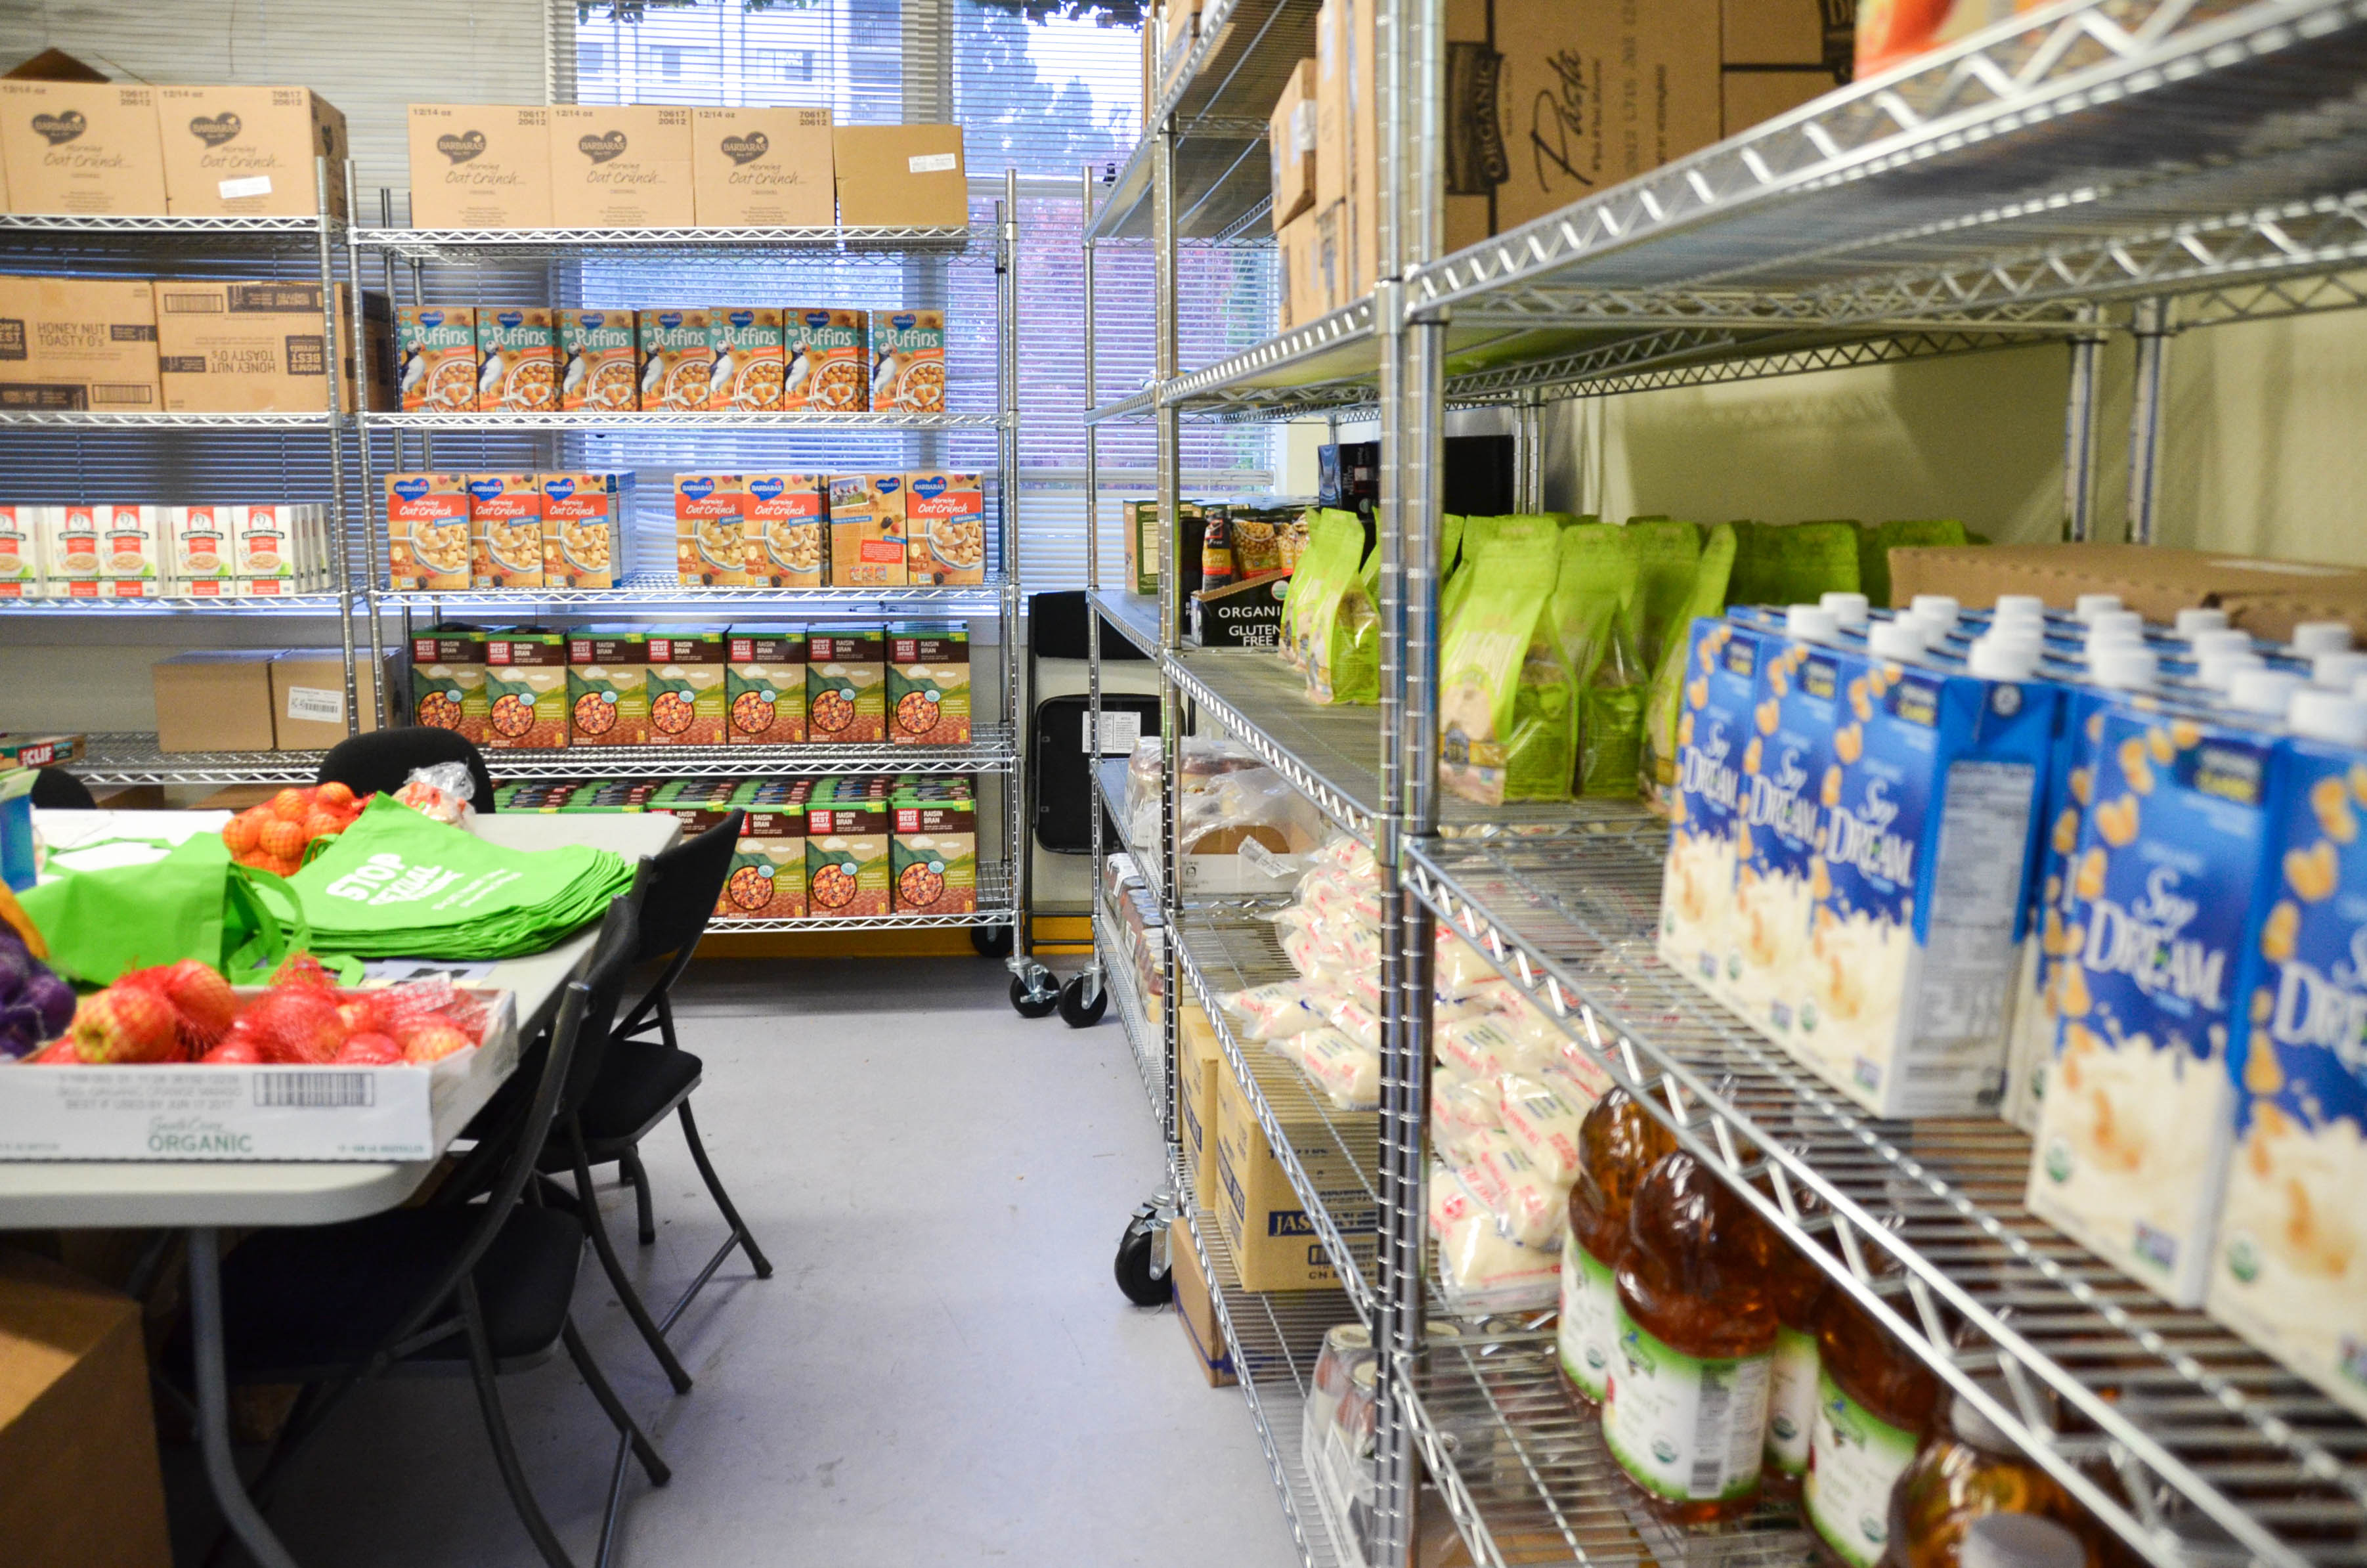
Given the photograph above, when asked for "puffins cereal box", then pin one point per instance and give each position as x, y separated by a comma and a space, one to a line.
677, 363
750, 364
828, 367
600, 354
436, 348
907, 361
517, 355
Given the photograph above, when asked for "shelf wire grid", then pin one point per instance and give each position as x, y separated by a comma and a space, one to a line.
708, 245
2188, 1444
158, 604
648, 590
1143, 1041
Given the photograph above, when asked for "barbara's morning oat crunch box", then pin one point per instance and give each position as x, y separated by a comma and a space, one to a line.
945, 514
427, 531
789, 519
710, 524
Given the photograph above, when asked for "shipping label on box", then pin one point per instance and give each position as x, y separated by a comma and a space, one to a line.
20, 551
621, 166
481, 166
829, 370
948, 517
601, 352
427, 531
91, 148
749, 361
766, 168
710, 525
786, 525
504, 530
517, 359
78, 343
231, 150
867, 530
308, 698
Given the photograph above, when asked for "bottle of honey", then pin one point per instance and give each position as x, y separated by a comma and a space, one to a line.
1796, 1288
1685, 1408
1617, 1142
1969, 1470
1875, 1403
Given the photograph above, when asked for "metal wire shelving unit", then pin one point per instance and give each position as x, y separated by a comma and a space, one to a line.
2090, 169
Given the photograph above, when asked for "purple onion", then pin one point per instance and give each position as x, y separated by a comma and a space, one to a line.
52, 1000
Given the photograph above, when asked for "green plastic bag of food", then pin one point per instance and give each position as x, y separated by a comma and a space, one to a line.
1504, 686
192, 901
1874, 545
1339, 628
1666, 694
1319, 564
1791, 564
1666, 555
1595, 600
1478, 533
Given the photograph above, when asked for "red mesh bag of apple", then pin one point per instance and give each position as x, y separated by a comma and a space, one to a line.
174, 1013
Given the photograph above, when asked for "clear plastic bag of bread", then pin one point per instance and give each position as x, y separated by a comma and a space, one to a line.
1243, 806
443, 792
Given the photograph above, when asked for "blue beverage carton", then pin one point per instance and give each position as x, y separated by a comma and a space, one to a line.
1714, 731
2289, 1272
1928, 805
1794, 706
2130, 1154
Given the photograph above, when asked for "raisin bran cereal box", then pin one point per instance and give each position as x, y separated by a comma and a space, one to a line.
764, 685
688, 667
768, 875
504, 530
787, 527
1697, 935
427, 531
447, 681
847, 678
525, 687
846, 858
946, 516
607, 687
933, 857
928, 686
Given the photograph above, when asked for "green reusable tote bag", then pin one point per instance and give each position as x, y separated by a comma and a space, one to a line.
195, 902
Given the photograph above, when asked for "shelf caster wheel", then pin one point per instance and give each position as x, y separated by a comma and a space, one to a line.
1083, 1001
1140, 1275
1033, 994
991, 941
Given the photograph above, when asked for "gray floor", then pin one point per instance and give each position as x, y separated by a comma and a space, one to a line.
940, 1371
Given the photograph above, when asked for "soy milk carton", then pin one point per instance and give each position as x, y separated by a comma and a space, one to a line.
2289, 1271
2130, 1155
1787, 747
1714, 731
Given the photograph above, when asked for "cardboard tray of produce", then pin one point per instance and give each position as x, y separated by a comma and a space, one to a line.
266, 1112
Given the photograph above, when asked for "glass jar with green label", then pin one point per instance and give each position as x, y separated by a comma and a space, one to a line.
1971, 1469
1874, 1402
1617, 1142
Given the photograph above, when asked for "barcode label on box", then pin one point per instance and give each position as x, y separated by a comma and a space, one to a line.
935, 162
252, 185
313, 1091
325, 704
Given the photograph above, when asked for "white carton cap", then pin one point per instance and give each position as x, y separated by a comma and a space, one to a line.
1894, 639
2114, 622
1847, 608
2124, 667
2018, 1540
2091, 605
2320, 637
2336, 669
1811, 623
2017, 604
1940, 608
2220, 640
1995, 658
2328, 716
2263, 691
2191, 621
2219, 668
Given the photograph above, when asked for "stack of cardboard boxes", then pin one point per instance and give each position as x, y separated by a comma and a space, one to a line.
106, 149
1547, 102
263, 699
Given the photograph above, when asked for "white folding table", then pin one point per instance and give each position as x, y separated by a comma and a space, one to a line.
202, 1196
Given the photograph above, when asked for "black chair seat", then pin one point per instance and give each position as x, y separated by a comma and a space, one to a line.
639, 1086
296, 1301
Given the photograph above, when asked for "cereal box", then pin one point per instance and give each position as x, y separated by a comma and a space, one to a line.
2287, 1273
1698, 936
264, 546
710, 526
517, 355
447, 680
677, 363
750, 363
928, 686
946, 514
829, 368
601, 353
525, 687
1796, 707
607, 687
585, 520
767, 880
687, 678
133, 547
2131, 1154
435, 353
427, 531
867, 530
933, 857
70, 551
846, 858
20, 551
907, 361
764, 685
504, 530
788, 516
846, 676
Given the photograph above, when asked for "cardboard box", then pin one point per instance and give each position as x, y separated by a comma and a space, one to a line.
1331, 261
901, 176
77, 1432
1892, 32
78, 343
1272, 1239
677, 362
214, 699
767, 168
22, 750
945, 514
1198, 1061
1749, 98
250, 151
257, 1113
586, 517
427, 531
2155, 581
1195, 1309
251, 347
308, 697
710, 527
1246, 615
621, 166
504, 530
85, 147
601, 359
1331, 104
517, 359
869, 536
1179, 29
481, 166
1780, 32
1290, 142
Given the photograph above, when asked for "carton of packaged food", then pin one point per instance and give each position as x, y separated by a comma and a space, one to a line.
1796, 707
678, 360
427, 531
602, 358
787, 527
688, 668
928, 684
85, 147
768, 876
869, 537
435, 359
447, 681
517, 359
607, 687
846, 858
847, 678
70, 551
525, 687
134, 547
1697, 935
946, 515
585, 520
907, 361
621, 166
710, 522
21, 528
933, 857
504, 530
262, 550
250, 150
764, 685
80, 342
829, 366
750, 362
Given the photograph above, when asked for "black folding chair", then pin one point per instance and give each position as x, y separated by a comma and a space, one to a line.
55, 790
644, 1080
379, 762
457, 1287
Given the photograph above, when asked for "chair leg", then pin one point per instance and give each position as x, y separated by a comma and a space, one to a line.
714, 1188
631, 1298
631, 1163
497, 1428
666, 1021
643, 1449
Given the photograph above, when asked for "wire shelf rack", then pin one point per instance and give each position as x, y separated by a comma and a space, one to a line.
2184, 1441
650, 590
160, 419
157, 604
496, 423
146, 233
121, 758
708, 245
1144, 1040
